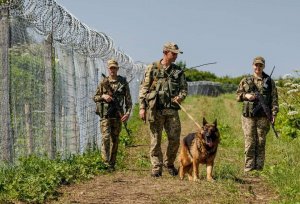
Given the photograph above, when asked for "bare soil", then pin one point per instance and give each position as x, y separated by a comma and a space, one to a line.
137, 187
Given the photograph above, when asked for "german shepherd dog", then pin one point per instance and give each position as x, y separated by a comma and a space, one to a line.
200, 147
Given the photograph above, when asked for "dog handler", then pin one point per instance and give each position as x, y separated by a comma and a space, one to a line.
110, 104
256, 125
164, 85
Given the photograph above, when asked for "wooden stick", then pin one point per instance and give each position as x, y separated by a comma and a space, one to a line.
184, 110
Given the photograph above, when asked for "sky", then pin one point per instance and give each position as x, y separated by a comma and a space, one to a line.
229, 32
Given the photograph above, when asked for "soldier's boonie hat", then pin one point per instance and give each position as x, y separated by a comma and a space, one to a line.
170, 46
259, 60
112, 63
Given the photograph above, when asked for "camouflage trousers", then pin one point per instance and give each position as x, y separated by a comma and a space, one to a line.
255, 131
167, 119
110, 130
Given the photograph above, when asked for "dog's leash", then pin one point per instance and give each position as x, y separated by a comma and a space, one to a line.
184, 110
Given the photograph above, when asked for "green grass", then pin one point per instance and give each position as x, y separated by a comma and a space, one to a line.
282, 170
36, 179
282, 166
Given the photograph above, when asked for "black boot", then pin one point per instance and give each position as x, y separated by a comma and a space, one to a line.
156, 174
172, 170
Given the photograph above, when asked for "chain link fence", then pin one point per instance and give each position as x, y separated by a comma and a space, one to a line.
209, 88
51, 64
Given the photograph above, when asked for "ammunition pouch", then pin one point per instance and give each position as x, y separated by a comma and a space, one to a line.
98, 108
162, 99
174, 88
248, 107
101, 109
151, 100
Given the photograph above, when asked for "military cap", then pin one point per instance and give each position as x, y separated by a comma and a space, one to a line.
170, 46
112, 63
259, 60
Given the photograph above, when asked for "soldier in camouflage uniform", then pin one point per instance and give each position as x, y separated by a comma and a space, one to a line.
164, 85
111, 95
255, 124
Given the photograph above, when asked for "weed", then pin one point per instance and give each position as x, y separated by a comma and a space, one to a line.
35, 178
143, 161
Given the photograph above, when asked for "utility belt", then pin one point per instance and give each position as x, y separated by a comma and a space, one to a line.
249, 106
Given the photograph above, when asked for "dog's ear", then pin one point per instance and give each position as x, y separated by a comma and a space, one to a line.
215, 123
204, 121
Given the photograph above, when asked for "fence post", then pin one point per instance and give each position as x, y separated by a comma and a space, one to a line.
5, 120
49, 97
28, 125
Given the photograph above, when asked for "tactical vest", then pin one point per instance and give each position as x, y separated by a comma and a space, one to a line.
265, 91
115, 108
165, 85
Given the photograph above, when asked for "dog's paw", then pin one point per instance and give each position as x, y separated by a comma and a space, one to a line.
211, 180
196, 179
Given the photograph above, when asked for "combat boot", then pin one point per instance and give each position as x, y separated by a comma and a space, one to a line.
156, 174
172, 170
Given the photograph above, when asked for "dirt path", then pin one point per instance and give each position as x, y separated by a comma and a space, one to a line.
139, 187
135, 185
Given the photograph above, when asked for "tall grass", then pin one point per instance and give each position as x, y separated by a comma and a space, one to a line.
36, 179
282, 165
283, 170
227, 112
288, 120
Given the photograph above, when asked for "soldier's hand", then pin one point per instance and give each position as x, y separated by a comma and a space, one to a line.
250, 97
142, 114
125, 117
273, 119
107, 97
177, 99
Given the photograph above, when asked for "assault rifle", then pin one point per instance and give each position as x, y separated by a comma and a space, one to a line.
115, 105
203, 65
184, 70
266, 109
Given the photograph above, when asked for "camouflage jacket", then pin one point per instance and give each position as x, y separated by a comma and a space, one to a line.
265, 85
110, 87
172, 79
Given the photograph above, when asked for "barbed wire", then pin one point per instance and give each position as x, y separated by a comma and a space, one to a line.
48, 17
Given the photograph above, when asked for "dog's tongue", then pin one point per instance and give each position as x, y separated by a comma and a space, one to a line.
209, 143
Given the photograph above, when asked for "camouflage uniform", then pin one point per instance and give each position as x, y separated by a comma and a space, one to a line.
256, 126
110, 123
159, 86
